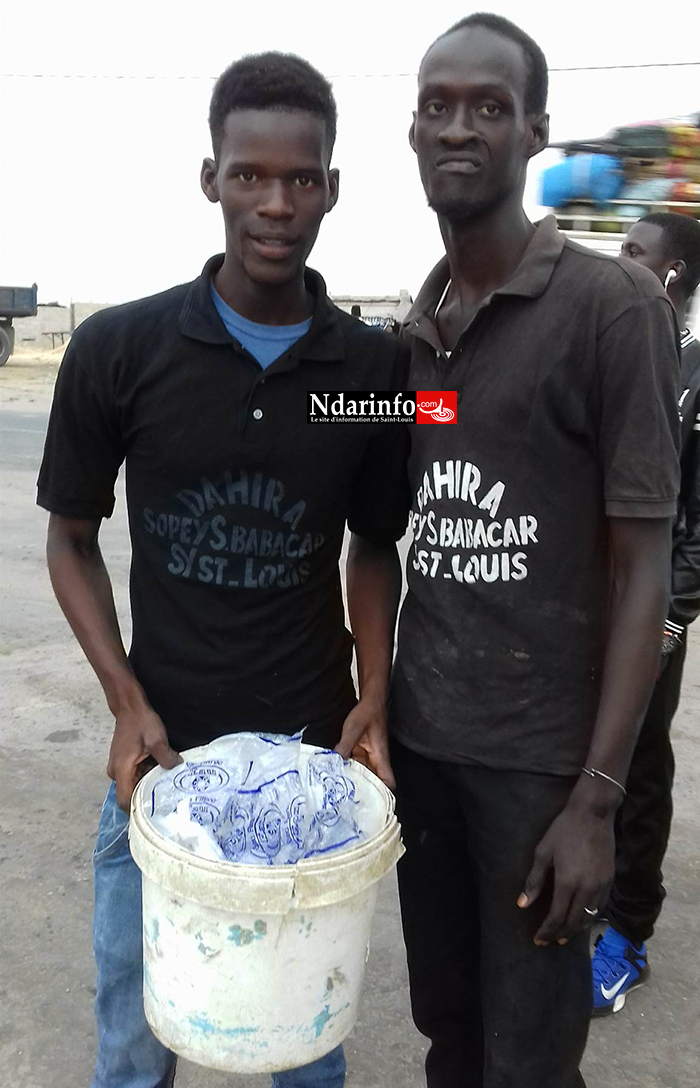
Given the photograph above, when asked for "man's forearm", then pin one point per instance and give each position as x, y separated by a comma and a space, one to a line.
374, 589
641, 555
84, 591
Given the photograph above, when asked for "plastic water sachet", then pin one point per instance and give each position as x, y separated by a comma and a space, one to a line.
331, 799
188, 832
258, 799
265, 820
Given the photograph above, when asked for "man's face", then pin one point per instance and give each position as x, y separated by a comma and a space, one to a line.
644, 244
274, 185
471, 134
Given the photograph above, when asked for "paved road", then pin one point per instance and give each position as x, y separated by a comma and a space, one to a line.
21, 438
52, 751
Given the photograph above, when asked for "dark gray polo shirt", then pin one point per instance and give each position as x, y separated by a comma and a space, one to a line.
567, 380
237, 506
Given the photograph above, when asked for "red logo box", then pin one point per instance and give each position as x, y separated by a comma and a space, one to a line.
436, 406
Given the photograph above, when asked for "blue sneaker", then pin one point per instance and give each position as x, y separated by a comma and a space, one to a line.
618, 968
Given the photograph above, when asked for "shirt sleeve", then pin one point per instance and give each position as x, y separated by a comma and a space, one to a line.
84, 448
638, 370
381, 497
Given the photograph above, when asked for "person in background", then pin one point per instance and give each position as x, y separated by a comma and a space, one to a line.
237, 509
537, 579
669, 245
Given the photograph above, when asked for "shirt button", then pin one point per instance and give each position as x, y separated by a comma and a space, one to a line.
257, 413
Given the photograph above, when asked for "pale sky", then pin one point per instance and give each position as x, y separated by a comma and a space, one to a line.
103, 112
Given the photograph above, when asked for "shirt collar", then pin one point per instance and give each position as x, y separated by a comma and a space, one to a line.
529, 280
199, 318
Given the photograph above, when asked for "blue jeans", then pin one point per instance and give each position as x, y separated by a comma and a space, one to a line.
128, 1053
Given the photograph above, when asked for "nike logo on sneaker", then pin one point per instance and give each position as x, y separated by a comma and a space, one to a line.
609, 994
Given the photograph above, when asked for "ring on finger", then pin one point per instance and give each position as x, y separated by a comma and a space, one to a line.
591, 911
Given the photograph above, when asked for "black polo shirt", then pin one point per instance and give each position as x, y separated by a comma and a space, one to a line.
567, 415
237, 506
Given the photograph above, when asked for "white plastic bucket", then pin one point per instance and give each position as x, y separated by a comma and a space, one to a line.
256, 969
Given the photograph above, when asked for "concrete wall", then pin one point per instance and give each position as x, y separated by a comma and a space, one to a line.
52, 325
376, 306
81, 310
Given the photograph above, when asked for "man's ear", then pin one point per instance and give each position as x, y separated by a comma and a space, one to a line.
679, 267
334, 189
412, 132
539, 135
207, 179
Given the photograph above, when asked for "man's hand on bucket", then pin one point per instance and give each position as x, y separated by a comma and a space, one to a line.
365, 737
139, 743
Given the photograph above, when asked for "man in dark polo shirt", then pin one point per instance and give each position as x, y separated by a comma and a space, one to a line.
237, 508
669, 245
529, 639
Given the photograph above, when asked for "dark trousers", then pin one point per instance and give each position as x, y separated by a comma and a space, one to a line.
644, 818
499, 1012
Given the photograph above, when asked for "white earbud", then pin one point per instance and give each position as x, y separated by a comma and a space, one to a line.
672, 275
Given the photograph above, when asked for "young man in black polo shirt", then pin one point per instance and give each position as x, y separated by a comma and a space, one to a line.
237, 508
529, 639
669, 245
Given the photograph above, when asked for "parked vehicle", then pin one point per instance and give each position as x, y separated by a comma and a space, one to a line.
603, 228
601, 186
14, 302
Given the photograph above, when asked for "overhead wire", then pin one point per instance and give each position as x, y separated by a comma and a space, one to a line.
342, 75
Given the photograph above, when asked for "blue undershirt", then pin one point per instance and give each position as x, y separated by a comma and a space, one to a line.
264, 342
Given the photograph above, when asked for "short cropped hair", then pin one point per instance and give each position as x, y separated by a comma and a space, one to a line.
681, 241
272, 81
537, 85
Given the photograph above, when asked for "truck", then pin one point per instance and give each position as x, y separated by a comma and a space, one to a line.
14, 302
602, 186
604, 229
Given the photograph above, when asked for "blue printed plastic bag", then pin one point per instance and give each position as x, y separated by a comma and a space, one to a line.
258, 799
